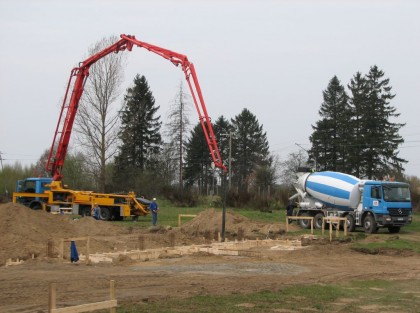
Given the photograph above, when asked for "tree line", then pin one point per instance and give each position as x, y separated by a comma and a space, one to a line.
358, 132
183, 162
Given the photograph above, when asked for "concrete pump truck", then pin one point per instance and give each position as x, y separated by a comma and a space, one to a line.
51, 195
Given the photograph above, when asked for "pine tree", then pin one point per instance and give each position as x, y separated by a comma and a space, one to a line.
358, 103
321, 142
198, 160
381, 156
250, 149
198, 170
222, 130
140, 134
331, 136
358, 136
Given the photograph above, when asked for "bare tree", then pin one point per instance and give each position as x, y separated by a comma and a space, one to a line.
168, 165
97, 119
289, 167
40, 165
177, 128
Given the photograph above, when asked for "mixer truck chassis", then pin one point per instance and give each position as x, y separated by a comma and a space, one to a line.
369, 221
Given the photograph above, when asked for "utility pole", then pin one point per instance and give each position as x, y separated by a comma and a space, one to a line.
1, 162
230, 157
213, 171
223, 206
5, 187
224, 184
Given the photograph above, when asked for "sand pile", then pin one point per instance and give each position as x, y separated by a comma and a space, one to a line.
24, 232
210, 222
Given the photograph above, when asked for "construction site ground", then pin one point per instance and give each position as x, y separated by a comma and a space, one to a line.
160, 263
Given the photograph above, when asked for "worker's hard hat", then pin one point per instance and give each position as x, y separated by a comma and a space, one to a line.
154, 199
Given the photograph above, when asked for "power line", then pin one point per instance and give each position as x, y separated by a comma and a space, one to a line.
364, 144
12, 157
1, 163
20, 159
19, 154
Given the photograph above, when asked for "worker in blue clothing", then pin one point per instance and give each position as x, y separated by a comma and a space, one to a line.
96, 212
154, 210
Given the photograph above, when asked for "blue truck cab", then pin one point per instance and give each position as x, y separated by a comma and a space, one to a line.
385, 204
33, 186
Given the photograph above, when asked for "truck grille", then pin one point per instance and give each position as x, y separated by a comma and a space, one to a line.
399, 212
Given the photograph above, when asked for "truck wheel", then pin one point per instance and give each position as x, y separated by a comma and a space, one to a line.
106, 214
318, 220
305, 224
369, 225
350, 223
117, 216
85, 211
394, 229
36, 206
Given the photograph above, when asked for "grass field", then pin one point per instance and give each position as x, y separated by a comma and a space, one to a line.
168, 215
358, 296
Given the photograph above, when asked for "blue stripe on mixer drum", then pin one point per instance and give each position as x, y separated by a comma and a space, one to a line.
344, 177
328, 190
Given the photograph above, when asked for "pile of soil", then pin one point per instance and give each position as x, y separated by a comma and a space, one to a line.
25, 233
209, 222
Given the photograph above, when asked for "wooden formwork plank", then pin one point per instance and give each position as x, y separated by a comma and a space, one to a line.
112, 295
89, 307
184, 215
334, 220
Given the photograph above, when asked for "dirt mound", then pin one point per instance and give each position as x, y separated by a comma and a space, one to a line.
24, 232
209, 223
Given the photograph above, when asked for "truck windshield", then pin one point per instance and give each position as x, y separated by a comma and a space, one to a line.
396, 193
29, 186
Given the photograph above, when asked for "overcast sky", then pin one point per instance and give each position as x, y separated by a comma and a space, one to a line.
273, 57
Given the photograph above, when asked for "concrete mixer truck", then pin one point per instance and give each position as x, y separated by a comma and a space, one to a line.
365, 203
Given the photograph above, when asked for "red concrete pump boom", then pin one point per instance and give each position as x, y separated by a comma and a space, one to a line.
68, 111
